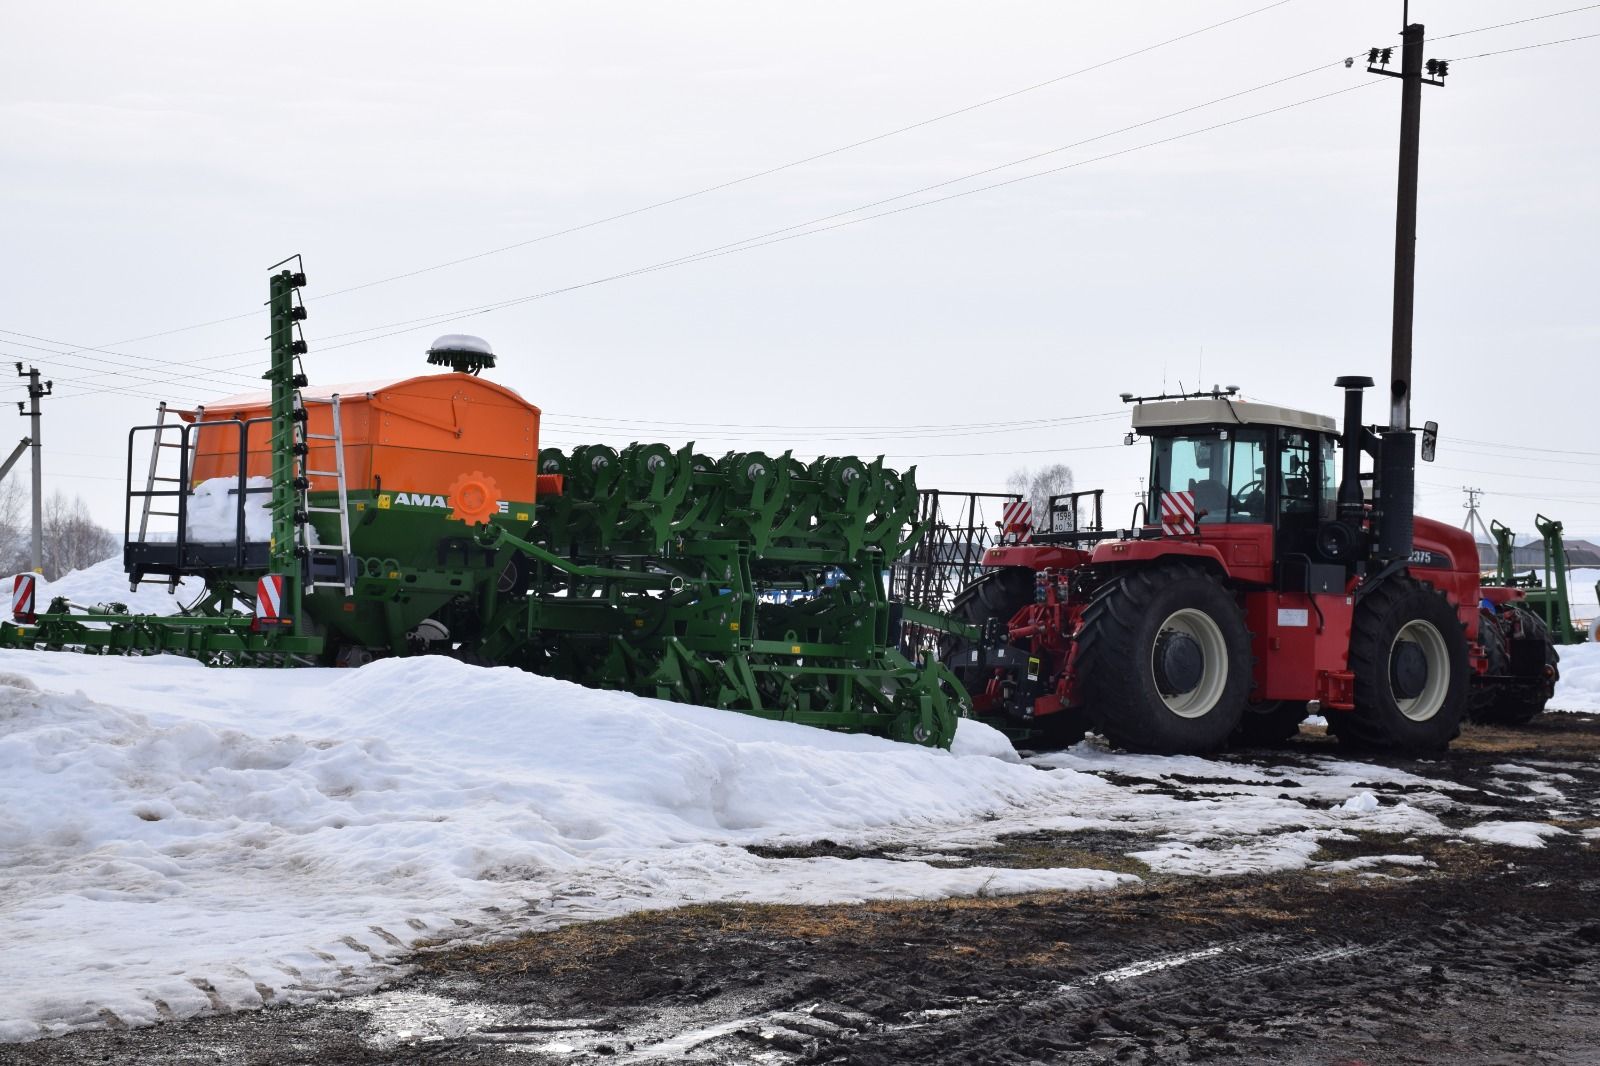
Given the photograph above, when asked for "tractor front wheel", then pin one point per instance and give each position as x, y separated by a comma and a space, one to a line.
1164, 658
1409, 657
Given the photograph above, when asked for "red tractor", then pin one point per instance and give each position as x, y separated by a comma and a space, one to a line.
1267, 582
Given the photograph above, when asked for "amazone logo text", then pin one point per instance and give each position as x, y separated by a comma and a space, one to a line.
426, 499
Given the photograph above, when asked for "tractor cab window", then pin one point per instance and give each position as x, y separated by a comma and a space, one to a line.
1224, 470
1296, 474
1330, 491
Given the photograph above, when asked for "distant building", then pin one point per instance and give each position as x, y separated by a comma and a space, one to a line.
1531, 555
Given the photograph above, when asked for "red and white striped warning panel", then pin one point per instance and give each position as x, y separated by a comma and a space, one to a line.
23, 591
1177, 514
269, 601
1016, 522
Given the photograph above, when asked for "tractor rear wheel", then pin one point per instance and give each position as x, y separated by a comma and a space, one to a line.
1409, 657
1483, 695
995, 596
1512, 702
1164, 658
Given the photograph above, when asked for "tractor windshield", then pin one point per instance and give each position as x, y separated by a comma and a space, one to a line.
1224, 469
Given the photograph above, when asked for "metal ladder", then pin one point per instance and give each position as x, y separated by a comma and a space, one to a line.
154, 475
345, 565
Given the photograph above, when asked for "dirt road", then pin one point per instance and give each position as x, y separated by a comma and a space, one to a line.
1385, 949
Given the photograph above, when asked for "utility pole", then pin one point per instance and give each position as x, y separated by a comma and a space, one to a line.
36, 390
1474, 522
1398, 451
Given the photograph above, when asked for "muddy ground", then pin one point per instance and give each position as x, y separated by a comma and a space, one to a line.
1422, 950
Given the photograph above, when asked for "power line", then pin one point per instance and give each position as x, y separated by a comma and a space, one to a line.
1542, 459
751, 243
792, 164
781, 426
565, 442
1583, 501
1519, 476
128, 390
1518, 22
847, 147
136, 377
810, 434
797, 230
778, 236
782, 235
1526, 47
80, 352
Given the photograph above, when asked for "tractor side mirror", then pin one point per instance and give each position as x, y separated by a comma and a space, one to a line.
1430, 440
1130, 440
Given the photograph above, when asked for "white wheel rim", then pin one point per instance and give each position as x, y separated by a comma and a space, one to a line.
1430, 642
1204, 631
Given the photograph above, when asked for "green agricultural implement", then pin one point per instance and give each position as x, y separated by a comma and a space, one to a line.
421, 517
1546, 596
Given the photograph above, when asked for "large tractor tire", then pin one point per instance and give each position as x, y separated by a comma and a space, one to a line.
1164, 658
1484, 697
1516, 702
1409, 657
1533, 702
996, 596
1269, 723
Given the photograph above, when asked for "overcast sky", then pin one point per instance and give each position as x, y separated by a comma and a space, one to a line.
155, 159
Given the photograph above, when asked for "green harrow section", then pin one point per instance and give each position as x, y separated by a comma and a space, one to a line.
752, 582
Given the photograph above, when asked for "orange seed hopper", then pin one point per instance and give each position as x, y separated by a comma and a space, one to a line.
438, 434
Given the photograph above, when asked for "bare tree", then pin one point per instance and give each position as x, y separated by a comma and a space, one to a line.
1037, 486
15, 542
72, 540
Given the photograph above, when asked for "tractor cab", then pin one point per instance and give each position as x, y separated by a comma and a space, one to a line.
1219, 461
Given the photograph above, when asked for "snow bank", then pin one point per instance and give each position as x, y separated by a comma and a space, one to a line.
107, 582
1579, 687
246, 837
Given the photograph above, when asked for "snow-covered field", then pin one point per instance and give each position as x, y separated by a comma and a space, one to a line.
175, 839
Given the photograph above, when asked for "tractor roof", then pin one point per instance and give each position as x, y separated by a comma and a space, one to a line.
1207, 411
